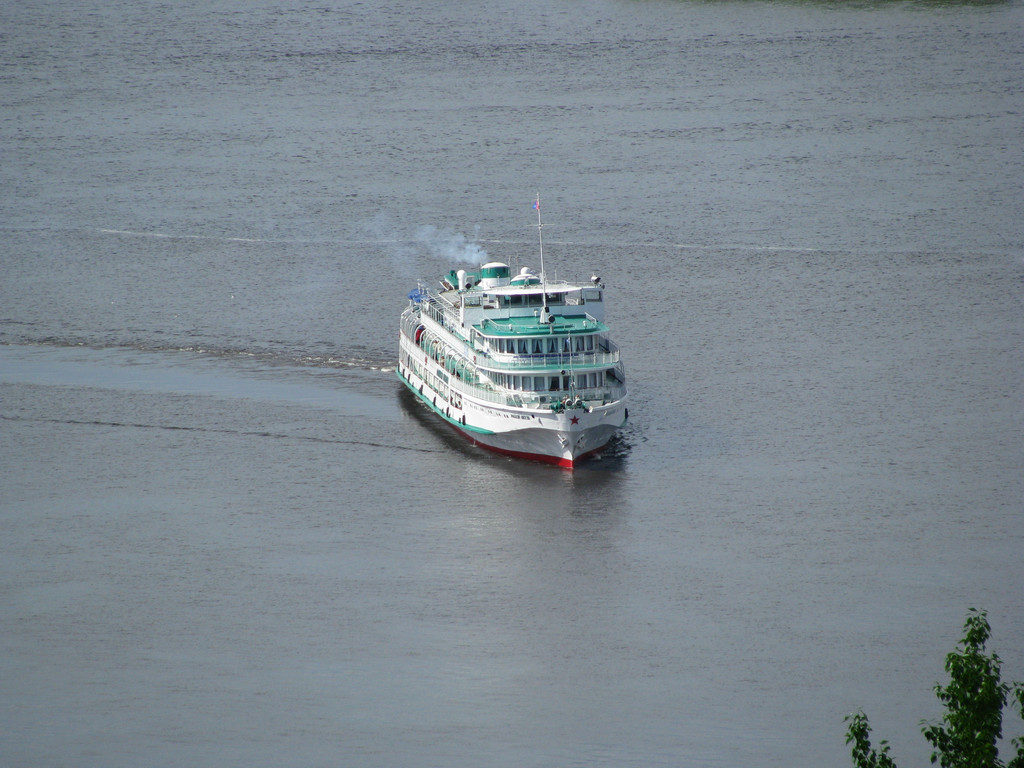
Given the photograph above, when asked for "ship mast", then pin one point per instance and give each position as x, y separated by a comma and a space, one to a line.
540, 236
545, 315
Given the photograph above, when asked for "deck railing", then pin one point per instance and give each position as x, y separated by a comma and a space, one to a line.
442, 314
508, 324
498, 361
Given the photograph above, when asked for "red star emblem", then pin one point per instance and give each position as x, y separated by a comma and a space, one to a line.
575, 419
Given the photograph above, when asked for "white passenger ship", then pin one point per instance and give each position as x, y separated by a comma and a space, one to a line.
519, 364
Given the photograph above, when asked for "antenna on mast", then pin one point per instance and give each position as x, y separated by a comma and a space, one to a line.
545, 315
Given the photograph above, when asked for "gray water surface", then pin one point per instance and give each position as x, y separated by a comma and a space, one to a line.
229, 537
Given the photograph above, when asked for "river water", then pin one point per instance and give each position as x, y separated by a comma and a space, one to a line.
229, 538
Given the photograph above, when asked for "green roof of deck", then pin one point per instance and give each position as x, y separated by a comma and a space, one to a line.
531, 326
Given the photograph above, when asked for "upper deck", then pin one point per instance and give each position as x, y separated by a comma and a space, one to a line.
532, 326
492, 303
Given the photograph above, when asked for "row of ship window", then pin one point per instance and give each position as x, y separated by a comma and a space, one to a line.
548, 383
548, 345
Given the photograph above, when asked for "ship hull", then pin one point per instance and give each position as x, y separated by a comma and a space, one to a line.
563, 439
